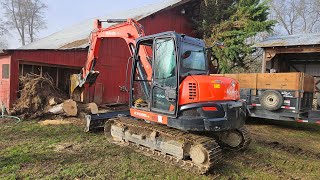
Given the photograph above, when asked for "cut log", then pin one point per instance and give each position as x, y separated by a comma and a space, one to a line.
90, 108
70, 107
57, 109
54, 101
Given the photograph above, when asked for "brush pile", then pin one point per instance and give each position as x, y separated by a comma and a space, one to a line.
39, 98
35, 95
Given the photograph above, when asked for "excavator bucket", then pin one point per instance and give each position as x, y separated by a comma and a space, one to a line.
76, 92
74, 82
77, 86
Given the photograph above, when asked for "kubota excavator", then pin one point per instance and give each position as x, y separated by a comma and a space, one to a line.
179, 114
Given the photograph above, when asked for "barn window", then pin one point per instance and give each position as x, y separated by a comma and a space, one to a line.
5, 71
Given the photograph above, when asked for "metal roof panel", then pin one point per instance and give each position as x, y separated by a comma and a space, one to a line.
76, 36
290, 40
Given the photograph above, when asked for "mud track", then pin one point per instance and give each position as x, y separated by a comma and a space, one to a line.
289, 149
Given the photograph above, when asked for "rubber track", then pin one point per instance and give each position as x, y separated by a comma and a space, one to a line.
246, 137
213, 149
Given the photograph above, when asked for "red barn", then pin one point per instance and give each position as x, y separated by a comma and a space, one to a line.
64, 53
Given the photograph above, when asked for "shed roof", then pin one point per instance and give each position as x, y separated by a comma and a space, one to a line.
291, 40
76, 36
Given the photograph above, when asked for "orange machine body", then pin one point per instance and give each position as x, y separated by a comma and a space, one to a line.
197, 89
149, 116
203, 88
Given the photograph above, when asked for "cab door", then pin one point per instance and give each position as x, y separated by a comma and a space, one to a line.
165, 77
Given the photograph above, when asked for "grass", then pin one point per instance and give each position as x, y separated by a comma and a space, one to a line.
29, 150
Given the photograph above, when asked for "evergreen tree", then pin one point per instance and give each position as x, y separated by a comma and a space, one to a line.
233, 22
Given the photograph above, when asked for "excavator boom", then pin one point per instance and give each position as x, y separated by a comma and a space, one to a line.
127, 29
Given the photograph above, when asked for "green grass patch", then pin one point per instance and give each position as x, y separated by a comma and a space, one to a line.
33, 151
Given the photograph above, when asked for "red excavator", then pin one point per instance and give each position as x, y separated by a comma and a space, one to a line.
179, 114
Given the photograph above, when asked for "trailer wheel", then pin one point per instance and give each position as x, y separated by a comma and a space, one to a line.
271, 100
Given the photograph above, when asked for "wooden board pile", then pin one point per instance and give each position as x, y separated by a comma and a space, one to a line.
39, 97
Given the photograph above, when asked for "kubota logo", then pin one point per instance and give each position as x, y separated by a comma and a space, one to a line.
141, 114
233, 92
111, 33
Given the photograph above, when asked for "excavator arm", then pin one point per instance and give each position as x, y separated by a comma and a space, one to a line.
129, 30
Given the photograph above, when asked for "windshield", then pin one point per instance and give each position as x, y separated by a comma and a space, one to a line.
193, 60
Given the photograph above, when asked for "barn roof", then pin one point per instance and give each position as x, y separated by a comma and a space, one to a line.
291, 40
76, 36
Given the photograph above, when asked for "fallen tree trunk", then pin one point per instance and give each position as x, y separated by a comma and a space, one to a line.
90, 108
54, 101
57, 109
68, 108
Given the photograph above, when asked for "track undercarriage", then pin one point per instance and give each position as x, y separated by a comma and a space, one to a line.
190, 151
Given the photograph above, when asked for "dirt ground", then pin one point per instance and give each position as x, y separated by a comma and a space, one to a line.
61, 150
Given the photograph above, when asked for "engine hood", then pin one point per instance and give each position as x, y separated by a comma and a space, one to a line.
204, 88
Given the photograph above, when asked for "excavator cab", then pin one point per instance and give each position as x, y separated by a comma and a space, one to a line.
174, 57
159, 89
180, 92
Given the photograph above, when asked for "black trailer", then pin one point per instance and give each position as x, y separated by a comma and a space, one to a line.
278, 96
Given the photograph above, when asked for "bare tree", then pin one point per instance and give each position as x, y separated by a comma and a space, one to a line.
3, 43
3, 32
285, 14
296, 16
3, 29
26, 16
35, 20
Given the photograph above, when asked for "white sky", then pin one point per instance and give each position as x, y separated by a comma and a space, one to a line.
64, 13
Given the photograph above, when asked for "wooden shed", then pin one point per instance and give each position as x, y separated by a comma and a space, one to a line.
293, 53
64, 53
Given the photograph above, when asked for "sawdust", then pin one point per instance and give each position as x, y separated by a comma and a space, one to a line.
54, 122
35, 95
65, 121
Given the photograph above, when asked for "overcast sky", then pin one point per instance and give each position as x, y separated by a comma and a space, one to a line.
64, 13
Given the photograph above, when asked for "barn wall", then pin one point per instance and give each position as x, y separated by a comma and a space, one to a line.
75, 58
114, 56
5, 83
170, 20
112, 64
